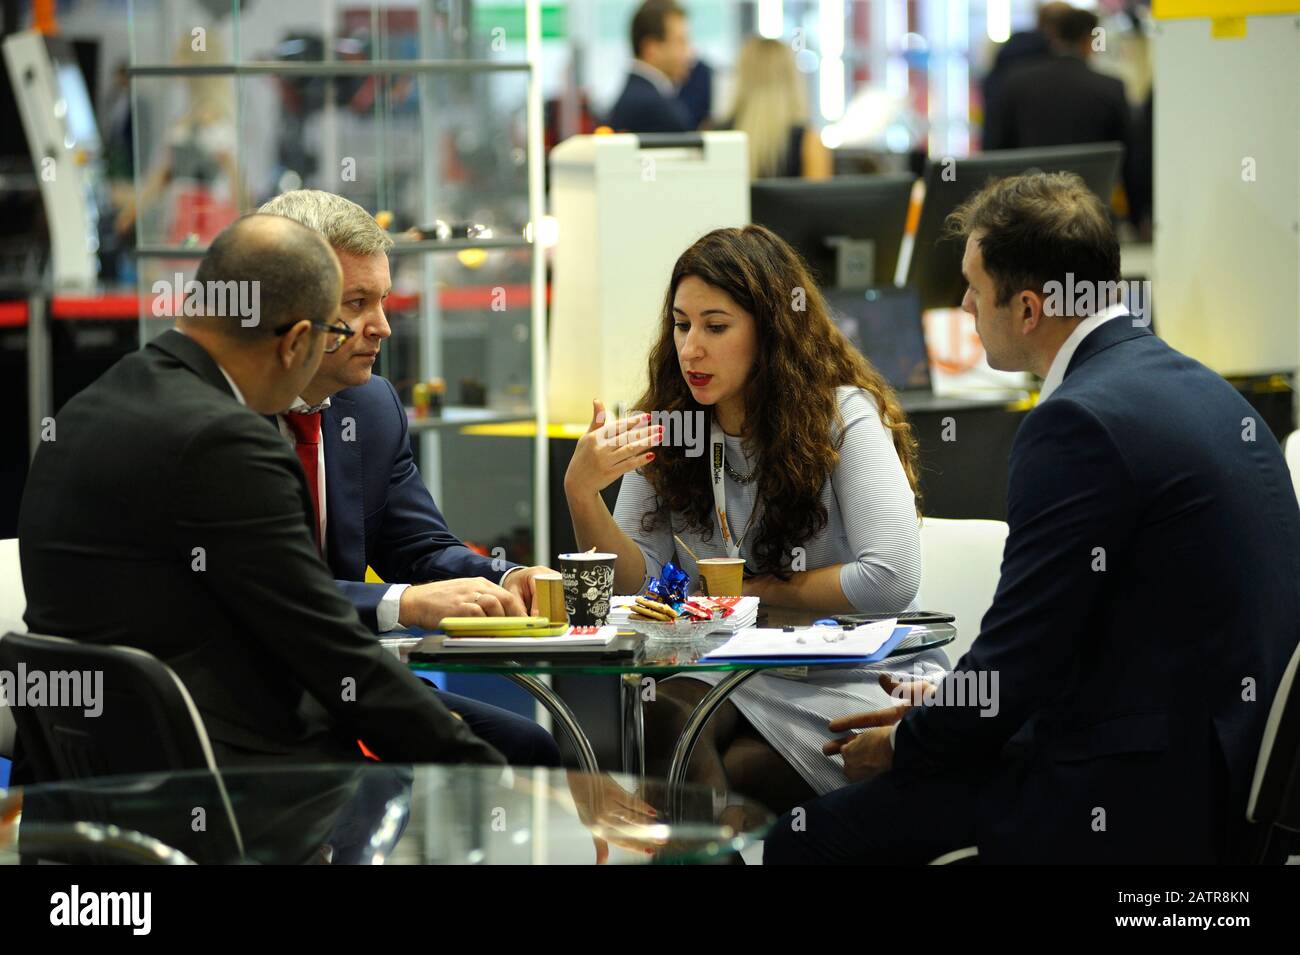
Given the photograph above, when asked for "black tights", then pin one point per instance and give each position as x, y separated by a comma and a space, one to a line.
731, 755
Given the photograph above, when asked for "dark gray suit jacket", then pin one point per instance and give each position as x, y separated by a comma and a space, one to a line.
169, 517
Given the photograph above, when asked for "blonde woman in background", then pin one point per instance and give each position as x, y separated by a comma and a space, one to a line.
771, 107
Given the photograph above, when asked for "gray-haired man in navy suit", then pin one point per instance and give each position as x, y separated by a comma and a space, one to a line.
372, 508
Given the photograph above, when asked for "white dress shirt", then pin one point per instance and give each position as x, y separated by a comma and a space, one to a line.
656, 76
239, 395
1056, 373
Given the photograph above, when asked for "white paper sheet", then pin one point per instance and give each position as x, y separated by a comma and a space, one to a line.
763, 642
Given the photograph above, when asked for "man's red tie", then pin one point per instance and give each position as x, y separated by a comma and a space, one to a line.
306, 429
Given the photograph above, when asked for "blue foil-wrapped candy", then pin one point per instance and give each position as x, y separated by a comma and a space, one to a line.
671, 586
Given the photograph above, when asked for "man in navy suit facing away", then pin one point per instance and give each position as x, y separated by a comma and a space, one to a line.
661, 51
350, 432
1112, 707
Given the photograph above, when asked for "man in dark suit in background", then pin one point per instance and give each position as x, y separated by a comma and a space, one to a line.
1060, 100
696, 94
1021, 49
661, 51
350, 432
1112, 707
169, 515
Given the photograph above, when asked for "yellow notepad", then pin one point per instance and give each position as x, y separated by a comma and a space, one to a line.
501, 627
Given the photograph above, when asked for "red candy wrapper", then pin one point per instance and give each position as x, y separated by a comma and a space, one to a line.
695, 611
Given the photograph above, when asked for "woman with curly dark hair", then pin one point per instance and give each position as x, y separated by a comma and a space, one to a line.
818, 494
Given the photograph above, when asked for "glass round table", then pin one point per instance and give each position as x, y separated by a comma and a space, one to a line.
644, 658
372, 813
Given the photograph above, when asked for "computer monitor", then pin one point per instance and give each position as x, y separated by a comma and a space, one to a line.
884, 323
935, 265
848, 229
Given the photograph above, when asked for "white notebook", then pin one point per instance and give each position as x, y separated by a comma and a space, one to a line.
861, 641
583, 638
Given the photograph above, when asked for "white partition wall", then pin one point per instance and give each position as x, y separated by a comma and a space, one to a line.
1227, 180
625, 212
59, 121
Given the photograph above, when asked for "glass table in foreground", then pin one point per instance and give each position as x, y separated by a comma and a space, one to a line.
648, 657
371, 813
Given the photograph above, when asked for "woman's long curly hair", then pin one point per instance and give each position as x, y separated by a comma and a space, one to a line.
791, 409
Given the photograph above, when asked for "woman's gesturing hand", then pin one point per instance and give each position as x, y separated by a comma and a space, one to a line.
609, 450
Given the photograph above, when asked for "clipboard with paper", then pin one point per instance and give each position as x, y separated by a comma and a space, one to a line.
823, 645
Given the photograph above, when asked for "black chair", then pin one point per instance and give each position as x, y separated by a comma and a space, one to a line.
1274, 802
144, 721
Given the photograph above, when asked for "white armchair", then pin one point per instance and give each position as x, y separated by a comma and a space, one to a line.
961, 562
13, 604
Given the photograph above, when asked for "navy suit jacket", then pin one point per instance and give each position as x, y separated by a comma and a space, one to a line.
1148, 604
378, 510
641, 108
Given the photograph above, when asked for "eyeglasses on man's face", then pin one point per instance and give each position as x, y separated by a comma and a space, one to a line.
336, 333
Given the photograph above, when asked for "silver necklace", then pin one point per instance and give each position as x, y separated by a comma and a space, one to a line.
736, 475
